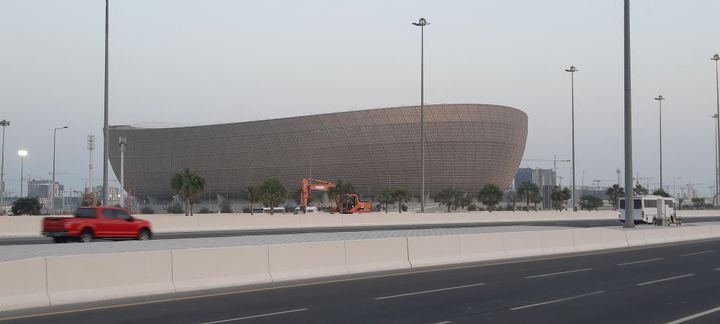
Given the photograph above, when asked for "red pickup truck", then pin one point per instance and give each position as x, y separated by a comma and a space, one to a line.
96, 222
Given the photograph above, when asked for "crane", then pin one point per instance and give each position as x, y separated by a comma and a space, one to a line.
554, 161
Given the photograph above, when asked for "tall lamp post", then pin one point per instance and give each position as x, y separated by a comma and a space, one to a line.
716, 58
422, 23
572, 71
122, 141
660, 99
4, 123
629, 219
106, 133
717, 171
51, 187
22, 154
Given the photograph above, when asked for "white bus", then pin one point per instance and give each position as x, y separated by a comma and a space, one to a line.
646, 208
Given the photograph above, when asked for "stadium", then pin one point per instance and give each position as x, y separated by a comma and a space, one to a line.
466, 146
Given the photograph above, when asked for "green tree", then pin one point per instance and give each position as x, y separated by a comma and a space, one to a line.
189, 186
448, 197
536, 198
615, 193
340, 194
272, 193
660, 192
590, 202
462, 200
385, 197
490, 195
559, 197
26, 206
252, 195
698, 203
511, 197
526, 190
639, 190
399, 196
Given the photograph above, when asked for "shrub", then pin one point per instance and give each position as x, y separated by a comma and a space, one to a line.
246, 210
226, 208
404, 207
472, 207
175, 209
147, 210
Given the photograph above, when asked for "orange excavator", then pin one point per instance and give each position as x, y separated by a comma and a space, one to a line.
350, 205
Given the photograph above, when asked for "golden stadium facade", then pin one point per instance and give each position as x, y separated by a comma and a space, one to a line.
466, 146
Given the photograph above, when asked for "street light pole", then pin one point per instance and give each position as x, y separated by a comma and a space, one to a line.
4, 123
572, 71
660, 98
106, 133
629, 218
123, 144
22, 154
51, 187
422, 23
716, 58
717, 171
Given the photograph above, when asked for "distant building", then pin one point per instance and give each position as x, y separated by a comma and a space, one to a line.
543, 178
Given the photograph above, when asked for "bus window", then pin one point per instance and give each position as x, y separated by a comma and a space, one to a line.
669, 203
649, 203
637, 204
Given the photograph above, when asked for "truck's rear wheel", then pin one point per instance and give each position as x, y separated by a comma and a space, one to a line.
86, 236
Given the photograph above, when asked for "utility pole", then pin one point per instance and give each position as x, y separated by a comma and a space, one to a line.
629, 219
4, 123
106, 131
422, 23
122, 141
572, 71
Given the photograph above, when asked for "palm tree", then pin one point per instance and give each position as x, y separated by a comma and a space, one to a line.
385, 197
399, 195
525, 191
272, 193
615, 193
340, 193
490, 195
250, 194
449, 197
189, 186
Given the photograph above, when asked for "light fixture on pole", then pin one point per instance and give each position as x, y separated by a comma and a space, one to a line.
4, 123
660, 99
51, 187
422, 23
22, 154
572, 71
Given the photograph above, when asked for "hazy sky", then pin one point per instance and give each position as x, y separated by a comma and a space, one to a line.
214, 61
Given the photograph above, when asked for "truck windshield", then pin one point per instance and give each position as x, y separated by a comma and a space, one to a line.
85, 213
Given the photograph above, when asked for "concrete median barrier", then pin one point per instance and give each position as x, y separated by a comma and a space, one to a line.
613, 238
20, 225
307, 260
246, 221
635, 237
219, 267
557, 241
91, 277
482, 247
319, 220
657, 235
22, 284
172, 223
522, 244
377, 254
434, 250
587, 239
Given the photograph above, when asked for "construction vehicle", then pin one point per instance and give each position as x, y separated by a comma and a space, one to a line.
349, 204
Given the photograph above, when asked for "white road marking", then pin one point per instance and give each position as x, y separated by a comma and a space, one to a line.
557, 300
443, 322
665, 279
641, 261
257, 316
557, 273
694, 316
716, 269
696, 253
430, 291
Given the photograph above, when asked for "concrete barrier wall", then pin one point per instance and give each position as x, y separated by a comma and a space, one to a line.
219, 267
22, 284
307, 260
91, 277
55, 280
377, 255
20, 225
434, 250
482, 247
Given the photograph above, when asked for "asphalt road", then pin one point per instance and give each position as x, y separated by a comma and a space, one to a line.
658, 284
178, 235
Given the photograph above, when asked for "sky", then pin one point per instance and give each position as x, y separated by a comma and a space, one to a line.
219, 61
